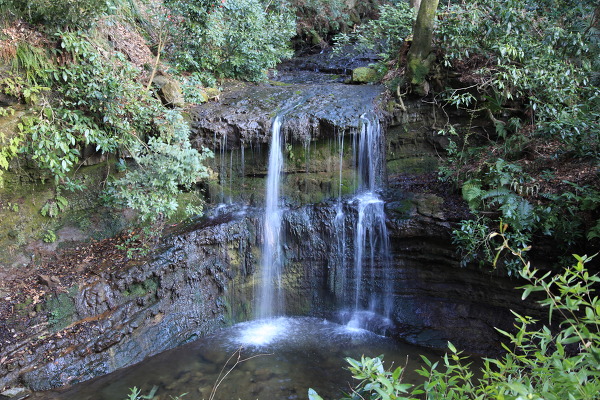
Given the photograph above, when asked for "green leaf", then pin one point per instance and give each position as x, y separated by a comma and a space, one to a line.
570, 340
312, 395
384, 395
451, 347
396, 374
386, 382
353, 362
403, 387
526, 292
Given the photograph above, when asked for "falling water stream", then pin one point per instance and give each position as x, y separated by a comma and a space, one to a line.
270, 299
371, 272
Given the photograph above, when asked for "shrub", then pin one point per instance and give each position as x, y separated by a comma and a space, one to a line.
323, 18
542, 56
58, 14
163, 166
554, 362
236, 39
529, 69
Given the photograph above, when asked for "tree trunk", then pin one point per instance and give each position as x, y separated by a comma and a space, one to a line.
419, 54
416, 4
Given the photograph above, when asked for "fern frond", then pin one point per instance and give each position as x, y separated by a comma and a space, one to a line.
471, 190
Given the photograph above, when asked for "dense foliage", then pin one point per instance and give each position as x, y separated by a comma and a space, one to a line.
58, 13
532, 70
96, 101
230, 38
543, 57
318, 20
385, 35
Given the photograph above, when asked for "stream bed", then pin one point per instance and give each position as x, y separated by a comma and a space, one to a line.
284, 357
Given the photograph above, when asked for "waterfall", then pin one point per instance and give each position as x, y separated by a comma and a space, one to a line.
270, 298
340, 220
371, 272
371, 256
363, 255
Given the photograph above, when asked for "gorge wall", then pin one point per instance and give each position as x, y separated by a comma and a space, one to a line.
203, 276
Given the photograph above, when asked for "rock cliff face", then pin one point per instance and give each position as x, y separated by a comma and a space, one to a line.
204, 278
123, 316
319, 123
436, 300
313, 111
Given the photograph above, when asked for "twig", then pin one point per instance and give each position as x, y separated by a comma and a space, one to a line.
239, 360
402, 107
161, 45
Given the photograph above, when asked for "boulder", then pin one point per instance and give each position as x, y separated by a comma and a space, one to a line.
171, 94
212, 93
169, 91
364, 75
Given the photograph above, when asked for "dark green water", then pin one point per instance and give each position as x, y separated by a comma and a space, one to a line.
291, 355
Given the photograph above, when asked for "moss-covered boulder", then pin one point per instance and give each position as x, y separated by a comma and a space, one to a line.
212, 93
169, 91
171, 94
364, 75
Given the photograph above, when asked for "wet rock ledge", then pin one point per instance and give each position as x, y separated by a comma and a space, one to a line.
312, 111
122, 316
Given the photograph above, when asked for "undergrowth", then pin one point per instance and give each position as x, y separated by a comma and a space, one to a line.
559, 360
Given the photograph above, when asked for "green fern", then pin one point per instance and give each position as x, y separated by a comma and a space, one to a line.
499, 195
33, 62
472, 192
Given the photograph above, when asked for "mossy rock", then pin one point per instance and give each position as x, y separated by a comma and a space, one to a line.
429, 205
61, 309
419, 164
364, 75
202, 94
171, 94
213, 93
